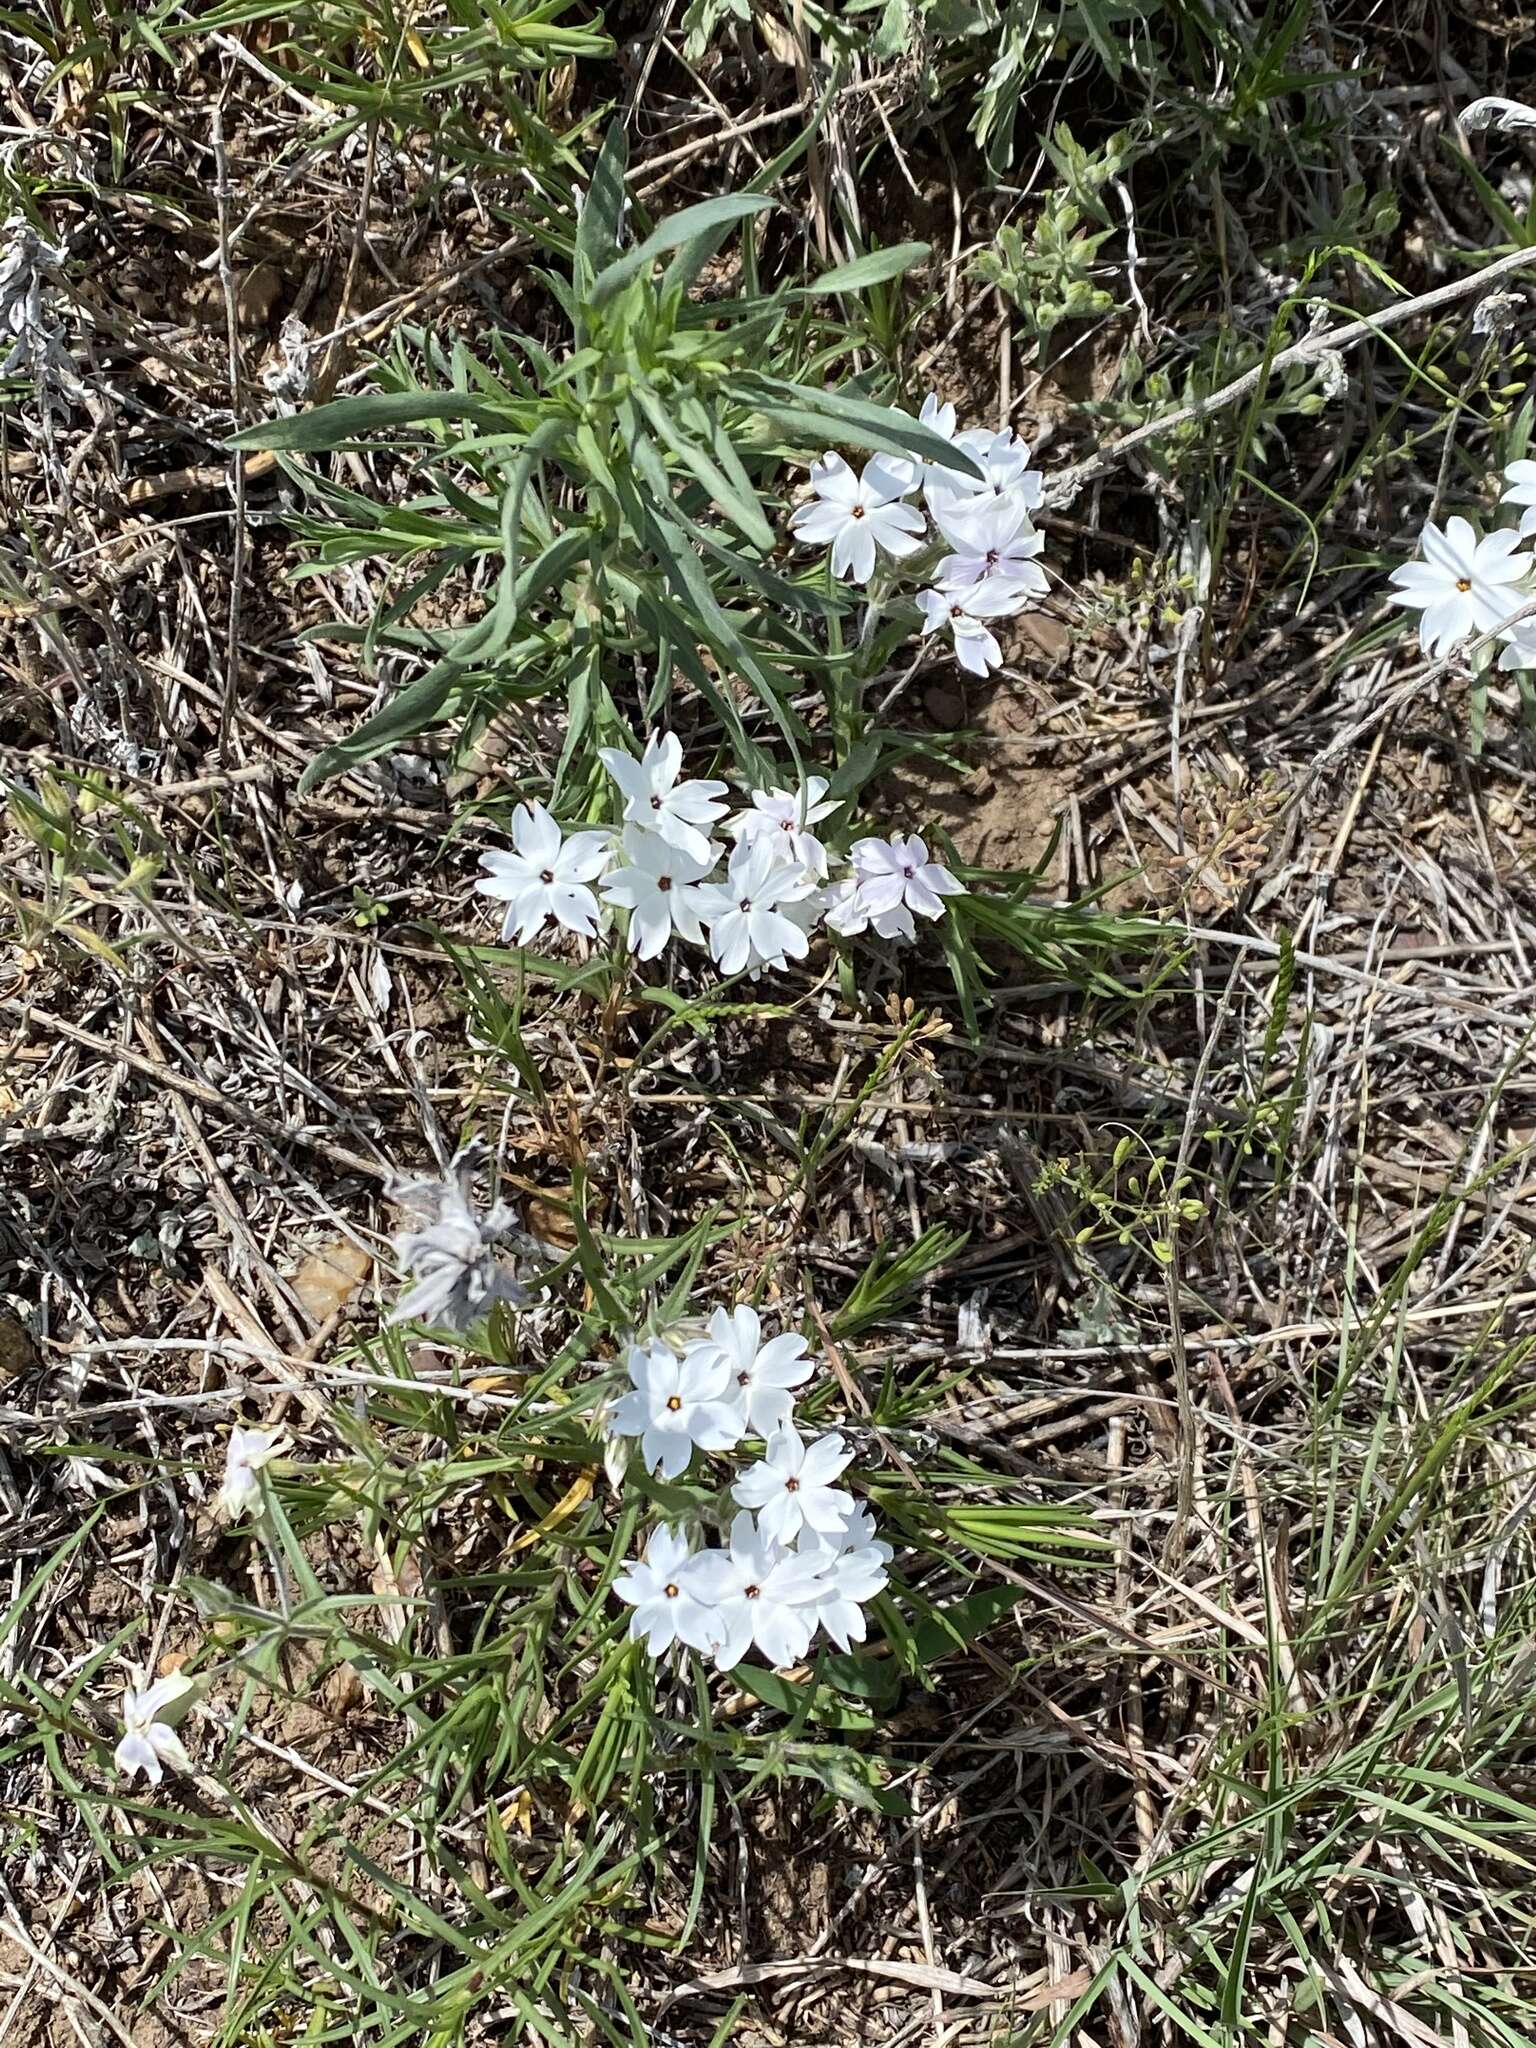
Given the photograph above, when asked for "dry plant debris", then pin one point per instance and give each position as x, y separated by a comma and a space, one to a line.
1161, 1221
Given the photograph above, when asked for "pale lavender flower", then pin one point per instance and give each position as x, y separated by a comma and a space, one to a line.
898, 870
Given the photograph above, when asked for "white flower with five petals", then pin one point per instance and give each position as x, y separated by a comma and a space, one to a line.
546, 876
784, 818
1003, 460
659, 889
993, 542
147, 1743
748, 914
249, 1450
757, 1592
853, 1571
679, 812
660, 1588
858, 517
791, 1485
762, 1376
676, 1403
1463, 585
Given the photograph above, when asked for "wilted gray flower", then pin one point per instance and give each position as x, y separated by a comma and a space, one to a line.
451, 1249
1496, 311
1494, 112
30, 330
290, 377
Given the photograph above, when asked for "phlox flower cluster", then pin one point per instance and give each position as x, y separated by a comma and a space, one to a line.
1468, 584
801, 1556
753, 896
985, 522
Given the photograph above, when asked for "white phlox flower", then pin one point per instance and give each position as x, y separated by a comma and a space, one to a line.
898, 871
546, 876
660, 1588
1519, 646
858, 517
791, 1485
450, 1249
748, 914
762, 1376
853, 1564
993, 542
757, 1592
1521, 478
905, 470
676, 1403
1463, 585
249, 1450
682, 813
965, 609
147, 1744
658, 886
784, 818
1003, 460
849, 913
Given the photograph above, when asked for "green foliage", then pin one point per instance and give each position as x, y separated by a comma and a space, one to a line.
1049, 273
611, 496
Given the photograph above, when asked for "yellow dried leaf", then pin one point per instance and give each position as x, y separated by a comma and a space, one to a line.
550, 1223
517, 1814
330, 1276
575, 1496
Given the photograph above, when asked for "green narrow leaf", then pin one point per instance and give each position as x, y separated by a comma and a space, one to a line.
602, 210
744, 512
423, 702
674, 232
833, 416
347, 419
878, 267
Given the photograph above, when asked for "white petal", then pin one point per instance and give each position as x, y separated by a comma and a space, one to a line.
832, 479
584, 855
166, 1744
818, 523
650, 926
626, 772
758, 1485
782, 1634
853, 552
976, 649
134, 1754
575, 908
535, 835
